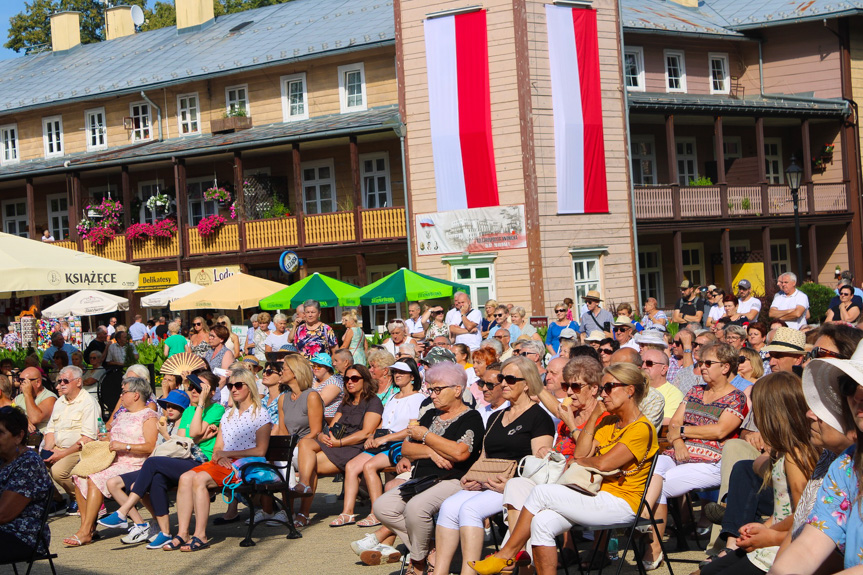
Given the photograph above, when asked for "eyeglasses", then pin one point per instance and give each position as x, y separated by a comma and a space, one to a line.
621, 328
733, 338
509, 379
486, 384
560, 311
708, 363
64, 381
354, 378
524, 353
651, 363
608, 387
495, 315
820, 352
606, 351
269, 371
576, 387
125, 391
221, 323
29, 379
237, 384
696, 344
197, 323
438, 390
502, 336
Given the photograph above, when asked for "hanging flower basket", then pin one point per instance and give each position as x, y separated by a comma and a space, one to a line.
102, 222
210, 225
219, 194
160, 203
162, 229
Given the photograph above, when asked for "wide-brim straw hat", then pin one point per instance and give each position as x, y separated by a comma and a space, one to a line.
787, 340
821, 386
95, 457
649, 337
595, 335
592, 294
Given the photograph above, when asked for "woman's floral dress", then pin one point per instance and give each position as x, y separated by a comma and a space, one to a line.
836, 512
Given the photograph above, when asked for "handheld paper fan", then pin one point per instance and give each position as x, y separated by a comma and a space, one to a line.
182, 363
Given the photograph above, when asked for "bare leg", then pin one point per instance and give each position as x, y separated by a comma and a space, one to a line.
446, 544
185, 505
371, 473
307, 450
518, 538
472, 539
201, 484
352, 481
545, 560
89, 512
322, 465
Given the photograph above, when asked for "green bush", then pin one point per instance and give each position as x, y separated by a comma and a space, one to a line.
279, 210
819, 300
17, 355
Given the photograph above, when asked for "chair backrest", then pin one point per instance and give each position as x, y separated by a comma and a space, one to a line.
281, 447
110, 388
41, 543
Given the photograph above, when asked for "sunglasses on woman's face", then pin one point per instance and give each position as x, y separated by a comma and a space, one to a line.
741, 359
509, 379
606, 351
560, 311
237, 384
848, 386
576, 387
269, 371
499, 315
354, 378
197, 323
820, 353
608, 387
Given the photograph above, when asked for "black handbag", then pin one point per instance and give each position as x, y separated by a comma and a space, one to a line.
417, 485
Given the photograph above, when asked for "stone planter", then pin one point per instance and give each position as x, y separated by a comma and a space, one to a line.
230, 124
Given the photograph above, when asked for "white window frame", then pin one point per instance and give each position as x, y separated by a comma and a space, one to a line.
4, 150
687, 157
726, 81
205, 184
636, 156
231, 103
19, 219
472, 263
376, 174
690, 267
58, 232
343, 95
188, 117
780, 266
658, 290
582, 257
59, 147
145, 215
682, 64
777, 177
137, 132
285, 82
328, 162
638, 53
390, 311
737, 141
99, 131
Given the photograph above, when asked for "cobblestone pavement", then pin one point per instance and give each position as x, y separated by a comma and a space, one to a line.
322, 550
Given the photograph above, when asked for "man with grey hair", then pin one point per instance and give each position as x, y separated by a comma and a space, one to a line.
99, 343
789, 304
533, 350
73, 422
496, 345
465, 322
342, 360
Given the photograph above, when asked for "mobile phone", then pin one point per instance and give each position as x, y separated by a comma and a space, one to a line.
606, 326
194, 381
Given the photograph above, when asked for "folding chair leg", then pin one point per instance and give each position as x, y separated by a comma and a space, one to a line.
404, 563
658, 538
675, 512
15, 568
248, 542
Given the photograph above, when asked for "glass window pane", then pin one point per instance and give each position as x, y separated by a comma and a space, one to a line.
483, 273
462, 273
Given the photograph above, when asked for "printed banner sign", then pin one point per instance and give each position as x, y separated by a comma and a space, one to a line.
209, 276
472, 231
156, 281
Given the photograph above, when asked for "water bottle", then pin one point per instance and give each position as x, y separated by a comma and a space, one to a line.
613, 549
102, 428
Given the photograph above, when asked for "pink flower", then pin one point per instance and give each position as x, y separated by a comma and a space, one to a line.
210, 224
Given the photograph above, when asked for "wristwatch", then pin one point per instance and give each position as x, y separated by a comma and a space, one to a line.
682, 432
128, 448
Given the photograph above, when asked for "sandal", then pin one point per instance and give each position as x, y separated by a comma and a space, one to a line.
75, 542
174, 546
370, 521
301, 520
195, 545
344, 519
301, 488
223, 521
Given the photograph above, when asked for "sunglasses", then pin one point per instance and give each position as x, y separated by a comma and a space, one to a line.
676, 342
651, 363
560, 311
820, 352
524, 353
608, 387
576, 387
438, 390
485, 384
502, 336
495, 315
621, 328
708, 363
606, 351
509, 379
64, 381
29, 379
222, 323
197, 323
848, 386
237, 384
269, 371
354, 378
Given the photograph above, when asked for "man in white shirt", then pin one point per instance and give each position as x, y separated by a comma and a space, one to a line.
465, 322
137, 331
416, 323
112, 326
790, 304
624, 330
491, 393
748, 304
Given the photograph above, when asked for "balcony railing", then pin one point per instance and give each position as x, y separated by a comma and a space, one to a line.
113, 249
272, 233
155, 248
383, 223
224, 240
334, 228
658, 202
68, 244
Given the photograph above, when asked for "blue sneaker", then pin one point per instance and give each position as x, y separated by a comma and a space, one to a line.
113, 520
159, 540
72, 508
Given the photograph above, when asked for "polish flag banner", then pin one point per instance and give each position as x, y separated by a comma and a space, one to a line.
460, 111
579, 151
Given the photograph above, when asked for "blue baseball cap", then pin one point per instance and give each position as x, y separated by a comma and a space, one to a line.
323, 359
176, 398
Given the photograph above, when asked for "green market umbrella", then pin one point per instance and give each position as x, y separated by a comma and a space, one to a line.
323, 289
403, 285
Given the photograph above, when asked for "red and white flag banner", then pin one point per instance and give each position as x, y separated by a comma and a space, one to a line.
460, 111
573, 51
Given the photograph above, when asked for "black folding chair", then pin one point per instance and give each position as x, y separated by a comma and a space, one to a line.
41, 551
109, 390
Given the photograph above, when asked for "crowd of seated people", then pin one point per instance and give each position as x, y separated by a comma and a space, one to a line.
433, 424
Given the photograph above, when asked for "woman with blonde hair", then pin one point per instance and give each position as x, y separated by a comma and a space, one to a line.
488, 321
244, 431
749, 365
198, 338
261, 335
234, 343
354, 341
175, 343
301, 409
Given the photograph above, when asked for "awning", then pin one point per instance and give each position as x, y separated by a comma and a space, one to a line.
166, 296
86, 302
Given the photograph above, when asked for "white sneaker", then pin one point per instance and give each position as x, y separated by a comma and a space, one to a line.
381, 555
278, 516
367, 543
137, 534
261, 516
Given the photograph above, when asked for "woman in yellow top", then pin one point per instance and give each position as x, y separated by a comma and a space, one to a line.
624, 440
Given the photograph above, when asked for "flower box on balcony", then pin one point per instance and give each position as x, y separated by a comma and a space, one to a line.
230, 124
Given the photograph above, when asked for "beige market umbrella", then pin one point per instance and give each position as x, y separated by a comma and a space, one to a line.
238, 291
166, 296
29, 267
86, 302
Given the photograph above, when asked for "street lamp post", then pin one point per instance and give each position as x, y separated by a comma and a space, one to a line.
793, 175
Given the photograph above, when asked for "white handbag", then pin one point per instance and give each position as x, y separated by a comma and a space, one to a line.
541, 470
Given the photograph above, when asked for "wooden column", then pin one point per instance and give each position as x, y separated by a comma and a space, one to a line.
671, 153
726, 260
240, 199
298, 194
126, 191
718, 139
813, 252
762, 166
769, 280
31, 210
678, 257
807, 168
357, 187
361, 269
73, 199
182, 210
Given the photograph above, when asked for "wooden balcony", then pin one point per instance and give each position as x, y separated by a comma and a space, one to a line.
155, 248
691, 202
224, 240
272, 233
114, 249
68, 244
383, 223
333, 228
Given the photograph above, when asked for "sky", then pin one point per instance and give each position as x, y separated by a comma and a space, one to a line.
8, 8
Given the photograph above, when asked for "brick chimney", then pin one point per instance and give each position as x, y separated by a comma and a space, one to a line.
119, 22
65, 30
193, 14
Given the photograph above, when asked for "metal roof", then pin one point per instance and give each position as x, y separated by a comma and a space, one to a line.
283, 33
668, 17
708, 104
758, 13
334, 125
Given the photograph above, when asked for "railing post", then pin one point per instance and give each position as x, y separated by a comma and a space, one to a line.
126, 191
31, 210
723, 200
357, 188
180, 187
675, 201
807, 168
765, 199
298, 191
240, 200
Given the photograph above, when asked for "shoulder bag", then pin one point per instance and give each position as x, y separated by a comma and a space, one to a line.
486, 468
416, 486
542, 470
175, 448
588, 480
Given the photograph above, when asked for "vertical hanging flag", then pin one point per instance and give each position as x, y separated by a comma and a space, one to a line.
460, 111
579, 151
